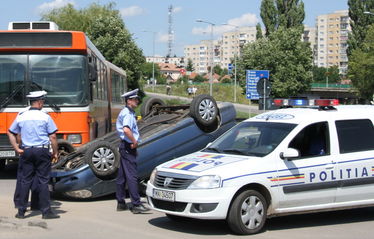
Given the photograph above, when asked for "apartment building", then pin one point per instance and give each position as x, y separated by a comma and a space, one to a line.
224, 49
178, 61
202, 55
332, 35
311, 37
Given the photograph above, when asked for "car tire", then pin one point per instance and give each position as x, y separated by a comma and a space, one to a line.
149, 103
247, 213
204, 110
103, 159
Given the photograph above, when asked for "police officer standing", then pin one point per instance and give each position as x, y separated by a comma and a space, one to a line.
37, 131
127, 129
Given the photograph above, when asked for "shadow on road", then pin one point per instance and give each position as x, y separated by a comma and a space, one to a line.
9, 172
214, 227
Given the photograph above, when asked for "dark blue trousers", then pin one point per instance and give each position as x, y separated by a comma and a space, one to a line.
34, 188
127, 173
36, 163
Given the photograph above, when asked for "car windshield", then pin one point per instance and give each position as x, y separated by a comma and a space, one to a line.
64, 77
251, 139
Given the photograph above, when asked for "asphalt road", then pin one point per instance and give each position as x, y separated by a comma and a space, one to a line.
99, 219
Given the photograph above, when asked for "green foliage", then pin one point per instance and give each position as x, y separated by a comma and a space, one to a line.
288, 59
259, 34
361, 66
359, 22
322, 74
190, 65
147, 69
106, 29
277, 14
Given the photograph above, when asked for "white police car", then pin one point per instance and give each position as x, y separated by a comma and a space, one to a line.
280, 162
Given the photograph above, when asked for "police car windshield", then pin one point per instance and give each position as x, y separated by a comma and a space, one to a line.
64, 77
252, 138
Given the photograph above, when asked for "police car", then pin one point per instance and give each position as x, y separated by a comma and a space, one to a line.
290, 160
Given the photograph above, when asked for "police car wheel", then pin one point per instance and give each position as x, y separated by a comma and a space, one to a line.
204, 110
247, 214
103, 159
148, 105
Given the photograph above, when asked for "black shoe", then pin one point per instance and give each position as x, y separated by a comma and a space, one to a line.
20, 215
121, 206
139, 209
50, 215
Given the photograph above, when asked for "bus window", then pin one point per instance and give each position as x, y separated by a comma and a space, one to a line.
62, 76
12, 78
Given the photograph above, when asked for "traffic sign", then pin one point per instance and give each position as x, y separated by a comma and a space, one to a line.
229, 68
252, 77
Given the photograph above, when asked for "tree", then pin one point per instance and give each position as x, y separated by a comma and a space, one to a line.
361, 66
106, 29
190, 65
359, 22
323, 75
288, 59
259, 34
277, 14
147, 69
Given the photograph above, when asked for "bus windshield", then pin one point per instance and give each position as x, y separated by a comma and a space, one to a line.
64, 77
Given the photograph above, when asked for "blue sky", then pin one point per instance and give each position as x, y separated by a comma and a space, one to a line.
152, 16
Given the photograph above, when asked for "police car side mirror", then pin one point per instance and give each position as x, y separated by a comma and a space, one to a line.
289, 153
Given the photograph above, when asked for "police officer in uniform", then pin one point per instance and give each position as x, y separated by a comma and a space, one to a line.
127, 129
37, 131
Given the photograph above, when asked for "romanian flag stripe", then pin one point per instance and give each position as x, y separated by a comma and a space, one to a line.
211, 156
184, 165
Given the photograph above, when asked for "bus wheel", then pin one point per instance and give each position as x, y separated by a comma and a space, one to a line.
148, 104
103, 158
204, 110
247, 213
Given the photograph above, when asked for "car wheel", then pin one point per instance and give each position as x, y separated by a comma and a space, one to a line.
247, 213
148, 105
204, 110
103, 158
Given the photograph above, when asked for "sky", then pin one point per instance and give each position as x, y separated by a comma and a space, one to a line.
147, 20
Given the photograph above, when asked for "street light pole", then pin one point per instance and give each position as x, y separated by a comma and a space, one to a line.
212, 58
153, 61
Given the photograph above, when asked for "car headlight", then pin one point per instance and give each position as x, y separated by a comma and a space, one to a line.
74, 138
206, 182
153, 176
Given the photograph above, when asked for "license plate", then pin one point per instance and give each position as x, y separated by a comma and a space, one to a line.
4, 154
164, 195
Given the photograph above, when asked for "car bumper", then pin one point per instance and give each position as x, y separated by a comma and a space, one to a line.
194, 203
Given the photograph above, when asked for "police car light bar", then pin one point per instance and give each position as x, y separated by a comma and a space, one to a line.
305, 102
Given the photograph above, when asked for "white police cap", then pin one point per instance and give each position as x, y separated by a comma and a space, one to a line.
36, 95
130, 94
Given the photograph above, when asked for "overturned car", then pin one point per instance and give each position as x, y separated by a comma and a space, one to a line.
167, 132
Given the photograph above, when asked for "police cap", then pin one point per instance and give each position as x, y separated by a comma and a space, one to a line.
36, 95
131, 94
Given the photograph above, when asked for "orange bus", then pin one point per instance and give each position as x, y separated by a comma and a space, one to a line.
82, 86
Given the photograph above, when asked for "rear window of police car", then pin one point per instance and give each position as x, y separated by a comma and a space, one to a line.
355, 135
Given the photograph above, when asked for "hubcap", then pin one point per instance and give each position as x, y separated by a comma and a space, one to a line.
252, 212
103, 159
207, 110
